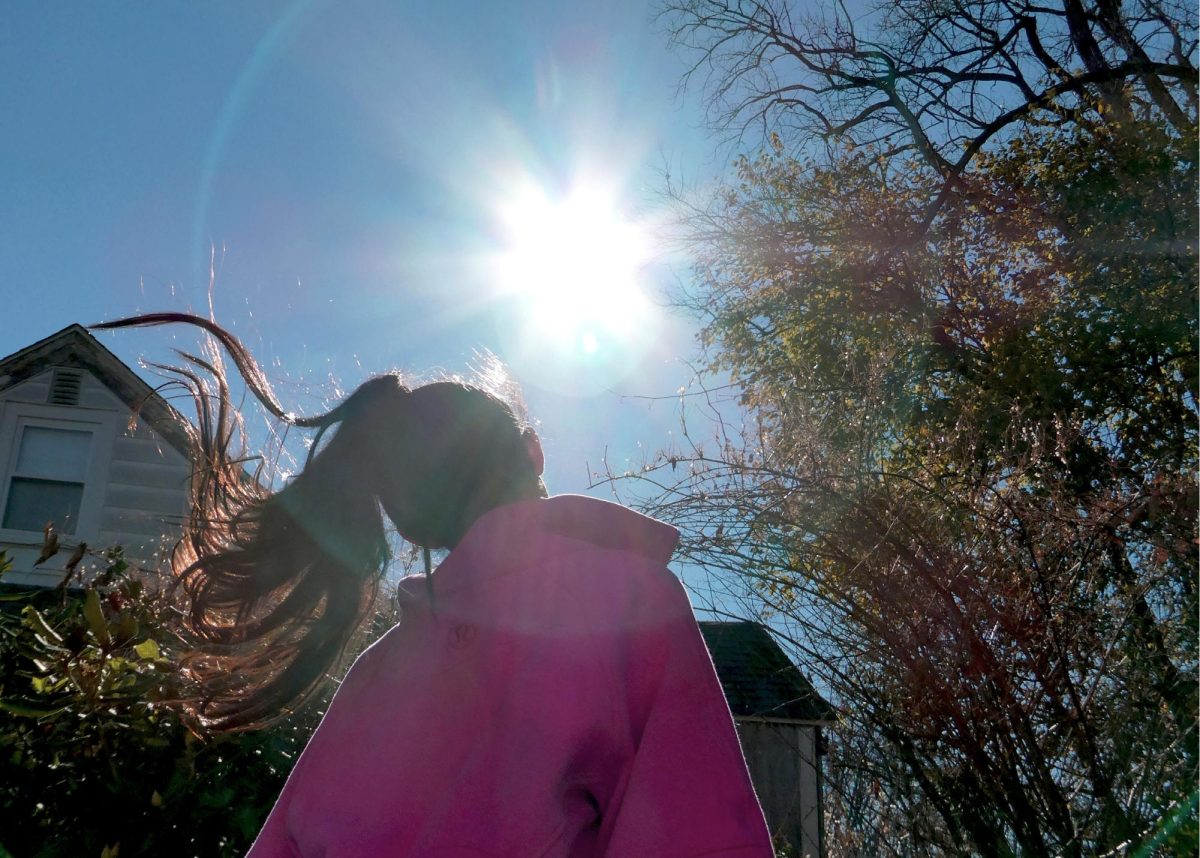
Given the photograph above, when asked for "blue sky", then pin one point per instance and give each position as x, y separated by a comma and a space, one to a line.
345, 161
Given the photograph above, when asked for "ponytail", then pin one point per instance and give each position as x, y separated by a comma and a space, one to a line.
276, 582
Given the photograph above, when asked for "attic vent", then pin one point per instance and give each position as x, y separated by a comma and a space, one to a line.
64, 389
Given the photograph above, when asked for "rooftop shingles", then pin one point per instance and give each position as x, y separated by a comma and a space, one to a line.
758, 678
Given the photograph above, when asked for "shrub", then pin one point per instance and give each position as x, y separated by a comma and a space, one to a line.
94, 759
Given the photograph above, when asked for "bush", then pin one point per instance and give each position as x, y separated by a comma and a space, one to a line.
94, 759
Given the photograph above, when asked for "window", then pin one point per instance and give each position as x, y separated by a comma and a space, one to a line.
47, 478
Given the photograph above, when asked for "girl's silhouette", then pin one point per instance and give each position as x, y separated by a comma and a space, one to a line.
546, 692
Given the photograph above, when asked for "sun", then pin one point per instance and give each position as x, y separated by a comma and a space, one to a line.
574, 264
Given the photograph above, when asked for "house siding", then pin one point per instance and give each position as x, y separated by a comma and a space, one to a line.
35, 390
783, 764
138, 488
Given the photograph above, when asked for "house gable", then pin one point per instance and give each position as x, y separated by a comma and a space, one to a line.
73, 347
85, 440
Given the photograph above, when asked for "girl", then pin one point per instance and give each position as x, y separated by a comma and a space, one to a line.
547, 692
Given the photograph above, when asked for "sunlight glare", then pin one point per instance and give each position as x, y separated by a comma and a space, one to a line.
575, 265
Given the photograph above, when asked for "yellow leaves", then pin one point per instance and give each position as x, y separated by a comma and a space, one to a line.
147, 650
45, 635
94, 614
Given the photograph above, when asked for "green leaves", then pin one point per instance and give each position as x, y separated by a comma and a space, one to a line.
88, 723
29, 711
85, 726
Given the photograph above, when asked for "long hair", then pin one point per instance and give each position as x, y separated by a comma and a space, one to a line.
277, 581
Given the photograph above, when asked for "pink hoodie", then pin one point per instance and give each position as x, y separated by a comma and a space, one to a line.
556, 700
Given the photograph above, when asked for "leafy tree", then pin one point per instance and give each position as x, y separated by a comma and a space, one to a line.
955, 297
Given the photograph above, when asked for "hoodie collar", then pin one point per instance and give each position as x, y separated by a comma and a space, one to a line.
523, 532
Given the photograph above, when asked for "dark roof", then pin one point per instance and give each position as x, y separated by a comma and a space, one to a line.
73, 346
758, 678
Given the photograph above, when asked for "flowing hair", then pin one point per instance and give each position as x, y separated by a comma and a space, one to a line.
278, 581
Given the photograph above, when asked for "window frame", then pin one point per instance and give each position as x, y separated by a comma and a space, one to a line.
103, 429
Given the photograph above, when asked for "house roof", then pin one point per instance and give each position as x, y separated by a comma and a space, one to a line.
758, 678
73, 346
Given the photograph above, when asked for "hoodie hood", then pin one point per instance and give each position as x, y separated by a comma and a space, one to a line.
555, 698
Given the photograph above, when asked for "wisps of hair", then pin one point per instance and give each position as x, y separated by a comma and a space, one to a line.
277, 581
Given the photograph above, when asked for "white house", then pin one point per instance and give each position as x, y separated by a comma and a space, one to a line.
87, 444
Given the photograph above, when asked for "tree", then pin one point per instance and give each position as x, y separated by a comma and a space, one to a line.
937, 80
956, 299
